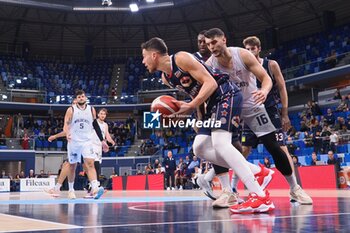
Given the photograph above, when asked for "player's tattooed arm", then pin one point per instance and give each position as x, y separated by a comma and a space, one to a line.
68, 121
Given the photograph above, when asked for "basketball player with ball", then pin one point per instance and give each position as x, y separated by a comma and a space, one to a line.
223, 103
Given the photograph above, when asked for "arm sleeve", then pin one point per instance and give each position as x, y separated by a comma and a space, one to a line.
97, 130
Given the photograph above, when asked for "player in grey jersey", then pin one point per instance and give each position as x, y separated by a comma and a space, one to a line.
237, 62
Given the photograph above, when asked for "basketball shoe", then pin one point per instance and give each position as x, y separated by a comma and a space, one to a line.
53, 192
300, 196
71, 195
254, 204
225, 200
206, 187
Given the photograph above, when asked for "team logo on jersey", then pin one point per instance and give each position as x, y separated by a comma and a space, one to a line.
151, 120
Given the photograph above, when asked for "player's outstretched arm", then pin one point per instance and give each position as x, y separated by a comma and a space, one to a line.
55, 136
108, 136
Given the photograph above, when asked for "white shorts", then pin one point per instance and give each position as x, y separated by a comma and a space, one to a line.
77, 150
258, 120
98, 152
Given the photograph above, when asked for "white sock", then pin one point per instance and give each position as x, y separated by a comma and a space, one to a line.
254, 168
226, 155
57, 187
225, 181
209, 176
234, 181
94, 184
292, 181
71, 186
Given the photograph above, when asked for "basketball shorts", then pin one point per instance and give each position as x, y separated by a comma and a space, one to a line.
227, 111
78, 150
249, 138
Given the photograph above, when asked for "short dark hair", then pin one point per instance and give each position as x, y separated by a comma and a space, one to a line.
79, 92
157, 44
211, 33
202, 32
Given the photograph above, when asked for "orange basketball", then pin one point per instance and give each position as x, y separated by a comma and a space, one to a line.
165, 105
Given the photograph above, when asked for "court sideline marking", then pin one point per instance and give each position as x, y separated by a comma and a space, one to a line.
211, 221
60, 226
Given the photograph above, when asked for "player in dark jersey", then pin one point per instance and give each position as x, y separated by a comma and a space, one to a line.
278, 94
203, 52
223, 103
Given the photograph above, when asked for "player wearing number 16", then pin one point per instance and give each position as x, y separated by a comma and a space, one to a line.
244, 69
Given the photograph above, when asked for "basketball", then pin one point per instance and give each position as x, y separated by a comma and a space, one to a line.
165, 105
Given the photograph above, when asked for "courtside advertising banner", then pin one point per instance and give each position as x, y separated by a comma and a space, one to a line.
37, 184
4, 185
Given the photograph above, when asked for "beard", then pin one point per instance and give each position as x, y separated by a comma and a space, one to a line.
81, 103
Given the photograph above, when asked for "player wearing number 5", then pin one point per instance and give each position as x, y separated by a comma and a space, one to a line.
244, 69
79, 124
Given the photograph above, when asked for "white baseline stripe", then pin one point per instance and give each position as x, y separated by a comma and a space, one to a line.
146, 210
63, 226
210, 221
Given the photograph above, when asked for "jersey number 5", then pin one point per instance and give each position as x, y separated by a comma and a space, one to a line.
81, 126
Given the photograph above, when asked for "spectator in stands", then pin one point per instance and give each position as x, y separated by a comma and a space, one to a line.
187, 161
25, 142
292, 132
331, 60
316, 137
314, 158
303, 126
344, 134
333, 160
2, 140
348, 123
3, 174
339, 125
267, 162
296, 161
180, 174
334, 140
31, 174
337, 95
315, 109
41, 175
29, 123
156, 164
343, 106
291, 146
22, 174
330, 118
308, 139
326, 132
170, 167
190, 169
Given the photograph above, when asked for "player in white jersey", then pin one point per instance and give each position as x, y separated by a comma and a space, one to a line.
239, 64
96, 142
79, 126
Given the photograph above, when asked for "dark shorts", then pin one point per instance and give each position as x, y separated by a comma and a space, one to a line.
250, 139
227, 111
